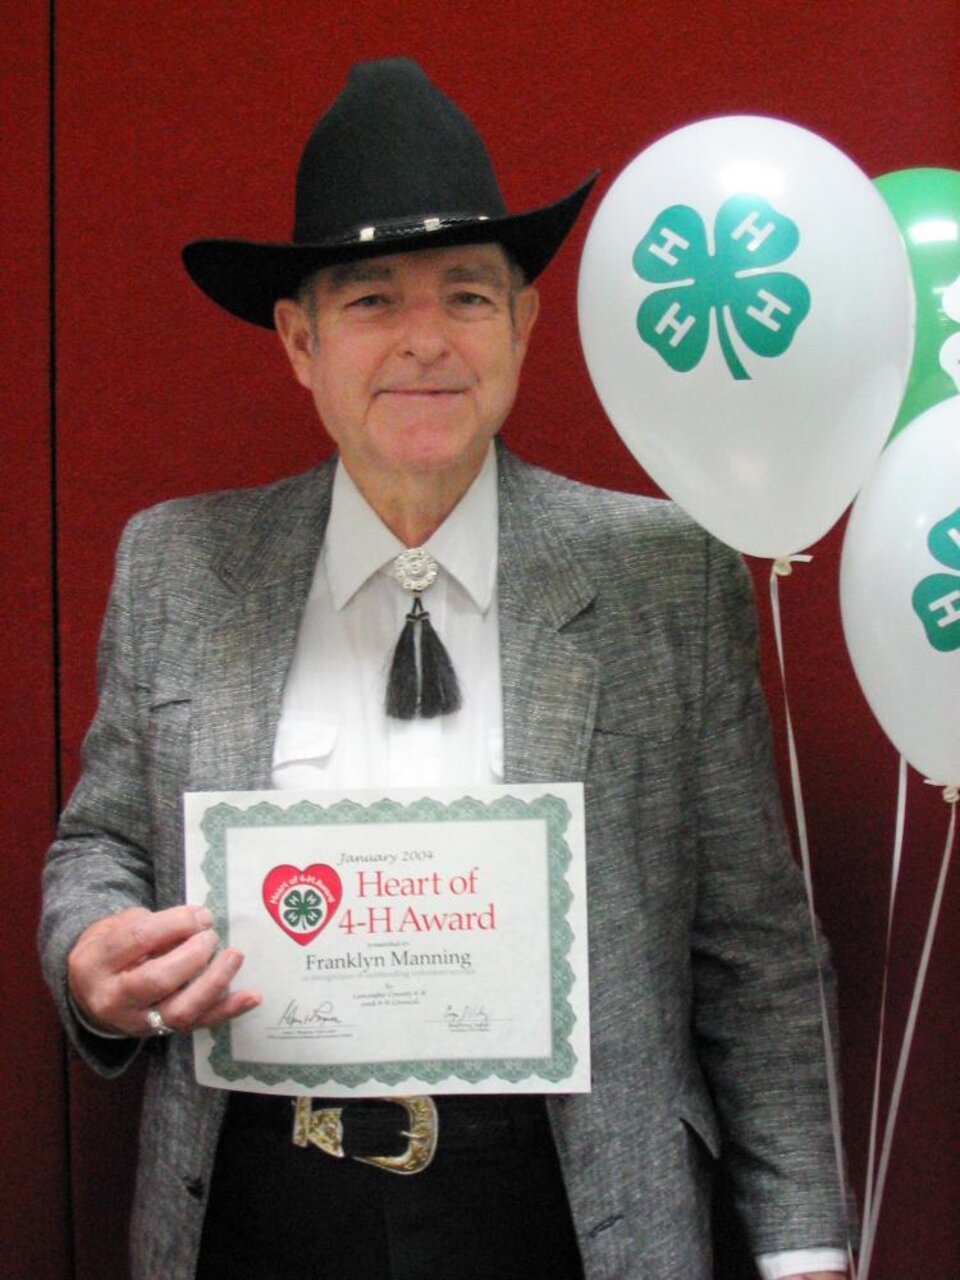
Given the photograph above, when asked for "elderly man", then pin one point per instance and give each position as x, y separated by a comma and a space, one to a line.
575, 635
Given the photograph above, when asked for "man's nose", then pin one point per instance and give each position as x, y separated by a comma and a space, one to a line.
424, 333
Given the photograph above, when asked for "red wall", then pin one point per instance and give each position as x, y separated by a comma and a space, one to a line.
185, 119
33, 1137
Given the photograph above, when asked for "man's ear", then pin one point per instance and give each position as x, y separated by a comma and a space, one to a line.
526, 308
296, 333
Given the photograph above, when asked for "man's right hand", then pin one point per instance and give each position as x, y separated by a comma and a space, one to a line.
126, 965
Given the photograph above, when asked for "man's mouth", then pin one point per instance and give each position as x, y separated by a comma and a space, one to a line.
421, 391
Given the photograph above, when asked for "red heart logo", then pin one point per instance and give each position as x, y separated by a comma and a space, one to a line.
302, 902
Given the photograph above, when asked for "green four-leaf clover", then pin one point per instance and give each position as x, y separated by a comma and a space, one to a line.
303, 910
764, 307
936, 599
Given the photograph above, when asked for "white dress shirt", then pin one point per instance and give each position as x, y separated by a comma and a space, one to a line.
333, 731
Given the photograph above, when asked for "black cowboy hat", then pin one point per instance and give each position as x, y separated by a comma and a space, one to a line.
392, 165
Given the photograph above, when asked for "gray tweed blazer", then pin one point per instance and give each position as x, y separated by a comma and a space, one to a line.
628, 663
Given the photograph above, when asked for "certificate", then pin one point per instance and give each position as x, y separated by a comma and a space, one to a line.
402, 942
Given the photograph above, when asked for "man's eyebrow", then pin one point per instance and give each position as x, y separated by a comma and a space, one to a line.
485, 273
347, 273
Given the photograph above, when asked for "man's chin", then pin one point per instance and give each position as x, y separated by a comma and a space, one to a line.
429, 452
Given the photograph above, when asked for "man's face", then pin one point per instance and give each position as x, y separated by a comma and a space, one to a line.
412, 360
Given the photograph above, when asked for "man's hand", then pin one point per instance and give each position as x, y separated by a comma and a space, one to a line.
124, 965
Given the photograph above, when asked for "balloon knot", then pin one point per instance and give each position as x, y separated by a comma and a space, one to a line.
951, 792
783, 565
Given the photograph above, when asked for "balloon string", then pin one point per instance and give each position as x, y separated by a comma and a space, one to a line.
870, 1227
866, 1241
783, 567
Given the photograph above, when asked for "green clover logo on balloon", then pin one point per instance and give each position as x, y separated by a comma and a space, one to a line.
936, 599
764, 308
303, 910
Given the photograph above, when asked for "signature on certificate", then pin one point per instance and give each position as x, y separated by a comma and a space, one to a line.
472, 1017
319, 1015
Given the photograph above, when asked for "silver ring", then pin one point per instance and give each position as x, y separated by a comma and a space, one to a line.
157, 1024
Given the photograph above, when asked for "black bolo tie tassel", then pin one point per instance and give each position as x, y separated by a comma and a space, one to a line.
422, 681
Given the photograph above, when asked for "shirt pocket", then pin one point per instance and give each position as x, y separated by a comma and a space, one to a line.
495, 755
303, 748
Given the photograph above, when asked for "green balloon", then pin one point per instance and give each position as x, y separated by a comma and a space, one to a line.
926, 206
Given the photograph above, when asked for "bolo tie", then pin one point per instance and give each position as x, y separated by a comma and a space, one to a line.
422, 682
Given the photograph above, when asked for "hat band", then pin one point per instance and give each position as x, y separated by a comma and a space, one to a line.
389, 231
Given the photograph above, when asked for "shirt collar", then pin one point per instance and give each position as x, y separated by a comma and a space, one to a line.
358, 543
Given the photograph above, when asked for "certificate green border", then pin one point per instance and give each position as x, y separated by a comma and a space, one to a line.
551, 810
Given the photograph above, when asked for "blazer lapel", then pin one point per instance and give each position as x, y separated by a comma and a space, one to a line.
246, 651
550, 678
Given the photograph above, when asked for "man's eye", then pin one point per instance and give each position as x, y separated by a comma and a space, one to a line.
468, 298
368, 300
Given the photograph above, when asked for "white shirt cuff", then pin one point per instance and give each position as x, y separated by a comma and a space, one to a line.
797, 1262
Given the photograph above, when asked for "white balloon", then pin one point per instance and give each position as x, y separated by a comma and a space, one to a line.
900, 591
770, 252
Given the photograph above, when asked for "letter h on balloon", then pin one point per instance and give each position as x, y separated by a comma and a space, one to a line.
936, 598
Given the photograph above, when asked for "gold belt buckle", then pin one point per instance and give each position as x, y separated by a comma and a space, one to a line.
324, 1128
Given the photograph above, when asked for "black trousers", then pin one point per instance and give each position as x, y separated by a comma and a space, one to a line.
492, 1203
